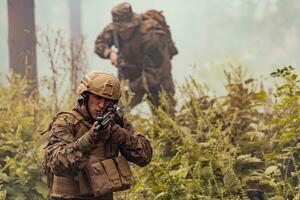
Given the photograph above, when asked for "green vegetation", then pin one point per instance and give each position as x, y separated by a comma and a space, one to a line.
21, 116
239, 146
243, 145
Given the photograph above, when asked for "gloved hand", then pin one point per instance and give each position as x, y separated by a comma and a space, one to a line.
89, 140
100, 132
118, 134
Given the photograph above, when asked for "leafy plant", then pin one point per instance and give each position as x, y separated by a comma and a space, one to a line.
243, 145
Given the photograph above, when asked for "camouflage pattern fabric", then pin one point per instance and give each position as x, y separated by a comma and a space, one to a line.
146, 56
137, 148
64, 156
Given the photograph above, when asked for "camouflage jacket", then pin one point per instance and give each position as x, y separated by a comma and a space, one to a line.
64, 159
144, 51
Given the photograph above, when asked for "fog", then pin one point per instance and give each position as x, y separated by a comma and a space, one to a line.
261, 35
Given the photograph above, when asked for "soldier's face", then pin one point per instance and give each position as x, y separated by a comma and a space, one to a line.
97, 104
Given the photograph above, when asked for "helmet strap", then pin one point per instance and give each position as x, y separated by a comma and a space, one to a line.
86, 96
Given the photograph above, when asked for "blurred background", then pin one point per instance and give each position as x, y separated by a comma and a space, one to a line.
260, 35
241, 142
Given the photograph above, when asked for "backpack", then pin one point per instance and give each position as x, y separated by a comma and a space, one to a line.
160, 18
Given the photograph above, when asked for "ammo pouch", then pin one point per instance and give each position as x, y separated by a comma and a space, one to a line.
109, 175
65, 186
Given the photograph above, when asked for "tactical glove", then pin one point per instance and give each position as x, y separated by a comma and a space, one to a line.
89, 140
101, 133
118, 134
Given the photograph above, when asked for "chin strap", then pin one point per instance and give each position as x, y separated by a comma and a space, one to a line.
85, 103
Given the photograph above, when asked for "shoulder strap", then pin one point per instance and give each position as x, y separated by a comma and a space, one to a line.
74, 113
45, 134
80, 118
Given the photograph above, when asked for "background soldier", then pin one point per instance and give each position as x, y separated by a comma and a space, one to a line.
144, 51
82, 158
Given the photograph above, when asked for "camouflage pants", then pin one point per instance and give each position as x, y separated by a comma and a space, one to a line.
153, 94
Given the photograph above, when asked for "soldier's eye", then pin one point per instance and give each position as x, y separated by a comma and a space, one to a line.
98, 98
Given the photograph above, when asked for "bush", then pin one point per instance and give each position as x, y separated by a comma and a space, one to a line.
243, 145
23, 116
239, 146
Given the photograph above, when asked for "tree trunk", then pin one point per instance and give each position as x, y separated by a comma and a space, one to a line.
76, 42
21, 39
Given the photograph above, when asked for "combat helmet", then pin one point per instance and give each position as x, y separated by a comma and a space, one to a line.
123, 17
100, 83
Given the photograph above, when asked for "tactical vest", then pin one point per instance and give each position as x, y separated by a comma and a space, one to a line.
105, 171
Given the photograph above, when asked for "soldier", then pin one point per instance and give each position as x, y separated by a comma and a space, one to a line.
143, 53
82, 159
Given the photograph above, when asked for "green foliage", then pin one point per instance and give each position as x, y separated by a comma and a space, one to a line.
22, 116
240, 146
243, 145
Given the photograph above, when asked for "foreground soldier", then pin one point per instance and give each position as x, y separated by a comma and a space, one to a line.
143, 53
82, 158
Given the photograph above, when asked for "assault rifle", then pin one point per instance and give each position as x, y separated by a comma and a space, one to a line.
113, 115
121, 62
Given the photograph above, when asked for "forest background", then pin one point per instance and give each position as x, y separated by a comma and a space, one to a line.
235, 134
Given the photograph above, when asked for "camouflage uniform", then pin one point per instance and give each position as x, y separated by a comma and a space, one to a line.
147, 60
68, 151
